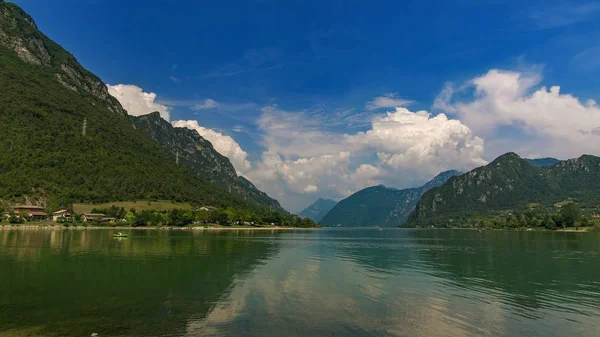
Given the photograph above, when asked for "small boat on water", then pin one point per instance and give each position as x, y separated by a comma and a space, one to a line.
119, 235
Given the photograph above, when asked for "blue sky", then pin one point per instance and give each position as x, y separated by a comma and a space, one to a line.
303, 88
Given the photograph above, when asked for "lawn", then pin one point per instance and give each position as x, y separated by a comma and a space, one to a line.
140, 205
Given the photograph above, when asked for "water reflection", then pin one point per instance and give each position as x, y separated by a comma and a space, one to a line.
303, 283
417, 283
69, 283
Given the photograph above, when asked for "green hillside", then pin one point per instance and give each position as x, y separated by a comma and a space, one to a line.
379, 205
64, 139
508, 184
190, 149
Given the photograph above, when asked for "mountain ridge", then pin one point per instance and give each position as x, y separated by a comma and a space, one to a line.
380, 205
189, 148
509, 183
543, 162
68, 140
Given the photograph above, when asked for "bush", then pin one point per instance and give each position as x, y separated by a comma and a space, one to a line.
15, 219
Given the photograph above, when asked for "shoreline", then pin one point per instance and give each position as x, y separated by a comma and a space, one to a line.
59, 227
524, 229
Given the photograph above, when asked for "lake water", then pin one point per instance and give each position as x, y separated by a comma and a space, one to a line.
333, 282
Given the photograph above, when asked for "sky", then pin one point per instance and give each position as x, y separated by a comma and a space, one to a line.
319, 99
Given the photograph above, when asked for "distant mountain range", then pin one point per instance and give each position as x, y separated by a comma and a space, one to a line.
317, 210
65, 139
379, 205
510, 183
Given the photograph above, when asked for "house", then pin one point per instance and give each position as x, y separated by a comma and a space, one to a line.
30, 212
596, 216
207, 208
63, 214
92, 217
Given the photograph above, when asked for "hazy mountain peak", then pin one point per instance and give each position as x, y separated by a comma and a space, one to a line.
317, 210
379, 205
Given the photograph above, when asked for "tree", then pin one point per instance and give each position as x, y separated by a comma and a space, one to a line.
548, 222
584, 221
570, 213
131, 218
221, 218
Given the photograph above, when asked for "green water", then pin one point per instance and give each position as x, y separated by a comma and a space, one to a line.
299, 283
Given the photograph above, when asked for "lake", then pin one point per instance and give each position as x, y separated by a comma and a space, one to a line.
328, 282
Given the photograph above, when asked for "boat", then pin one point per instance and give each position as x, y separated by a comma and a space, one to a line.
120, 235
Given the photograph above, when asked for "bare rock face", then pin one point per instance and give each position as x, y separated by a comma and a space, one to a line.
19, 33
189, 148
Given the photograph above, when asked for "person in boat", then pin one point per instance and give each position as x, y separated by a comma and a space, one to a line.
120, 234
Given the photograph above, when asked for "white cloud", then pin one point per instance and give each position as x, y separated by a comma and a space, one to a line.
390, 100
224, 144
207, 104
174, 79
399, 149
418, 143
546, 121
136, 101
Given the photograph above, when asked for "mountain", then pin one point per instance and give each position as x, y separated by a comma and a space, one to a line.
379, 205
190, 149
543, 162
64, 139
509, 183
317, 210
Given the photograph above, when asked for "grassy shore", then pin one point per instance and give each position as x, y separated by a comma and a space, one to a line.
139, 205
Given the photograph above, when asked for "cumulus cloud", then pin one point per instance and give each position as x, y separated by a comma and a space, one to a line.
224, 144
416, 141
400, 149
136, 101
207, 104
390, 100
546, 121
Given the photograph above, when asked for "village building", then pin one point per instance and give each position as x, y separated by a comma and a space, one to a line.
92, 217
63, 214
207, 208
30, 212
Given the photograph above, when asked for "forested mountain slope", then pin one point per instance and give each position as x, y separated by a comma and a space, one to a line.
189, 148
379, 205
510, 183
64, 139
